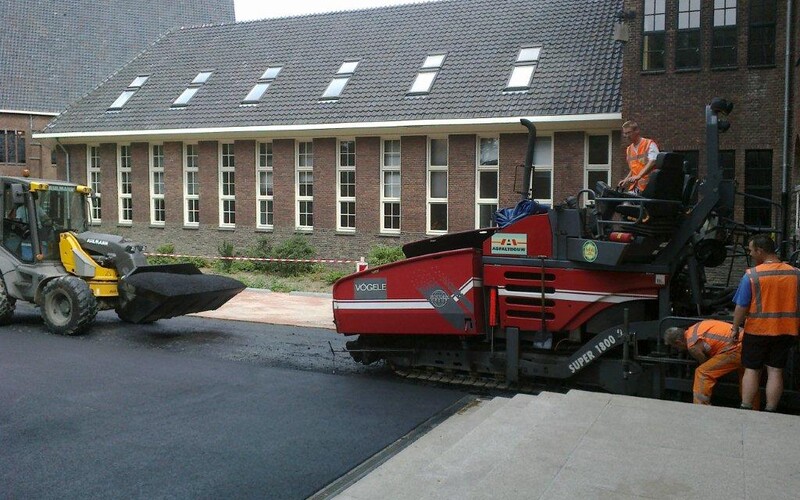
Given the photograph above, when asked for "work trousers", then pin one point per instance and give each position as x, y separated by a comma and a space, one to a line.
707, 374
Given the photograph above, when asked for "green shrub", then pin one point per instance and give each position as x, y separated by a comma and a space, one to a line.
279, 286
225, 249
332, 277
384, 254
169, 248
296, 247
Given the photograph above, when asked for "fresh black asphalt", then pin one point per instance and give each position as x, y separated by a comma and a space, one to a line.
87, 418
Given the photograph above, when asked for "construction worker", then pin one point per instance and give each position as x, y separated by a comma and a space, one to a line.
641, 156
708, 342
767, 304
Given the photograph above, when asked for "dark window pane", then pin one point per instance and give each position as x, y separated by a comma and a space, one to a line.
439, 152
758, 182
595, 176
488, 187
485, 215
653, 52
541, 185
727, 161
598, 150
691, 160
761, 45
723, 47
21, 150
438, 216
3, 146
687, 49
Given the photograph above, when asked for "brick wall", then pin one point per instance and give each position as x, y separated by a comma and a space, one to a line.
414, 154
512, 154
245, 161
283, 161
461, 183
108, 183
568, 164
37, 154
325, 184
368, 185
208, 172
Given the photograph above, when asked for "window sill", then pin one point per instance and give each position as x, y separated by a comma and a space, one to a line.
157, 226
124, 224
724, 68
264, 230
226, 228
389, 235
303, 230
761, 66
192, 228
688, 70
345, 232
653, 71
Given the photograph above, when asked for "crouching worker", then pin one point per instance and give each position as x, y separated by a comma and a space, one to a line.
708, 342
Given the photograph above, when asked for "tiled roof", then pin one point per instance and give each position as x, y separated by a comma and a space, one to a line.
52, 52
579, 70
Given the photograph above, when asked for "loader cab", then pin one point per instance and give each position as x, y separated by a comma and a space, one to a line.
35, 213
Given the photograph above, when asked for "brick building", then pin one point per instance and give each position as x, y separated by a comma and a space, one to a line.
55, 51
353, 128
683, 52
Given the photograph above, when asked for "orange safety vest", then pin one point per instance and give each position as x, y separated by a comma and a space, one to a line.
716, 335
637, 159
775, 302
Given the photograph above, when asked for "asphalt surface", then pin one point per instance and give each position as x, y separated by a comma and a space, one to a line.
191, 408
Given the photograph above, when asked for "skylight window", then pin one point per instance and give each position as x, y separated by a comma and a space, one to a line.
183, 100
337, 85
427, 74
126, 94
260, 88
524, 67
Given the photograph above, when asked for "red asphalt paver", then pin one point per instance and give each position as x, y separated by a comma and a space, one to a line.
264, 306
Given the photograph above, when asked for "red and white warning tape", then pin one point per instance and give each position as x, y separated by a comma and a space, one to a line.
256, 259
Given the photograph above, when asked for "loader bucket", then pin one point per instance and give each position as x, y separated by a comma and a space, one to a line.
150, 293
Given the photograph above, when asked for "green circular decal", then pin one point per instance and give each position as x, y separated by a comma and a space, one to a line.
589, 251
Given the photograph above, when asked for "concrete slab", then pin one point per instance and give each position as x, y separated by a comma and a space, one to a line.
264, 306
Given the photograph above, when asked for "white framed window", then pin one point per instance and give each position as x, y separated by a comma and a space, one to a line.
598, 160
258, 90
487, 177
191, 186
126, 94
304, 180
427, 74
542, 179
346, 186
264, 191
183, 100
93, 175
337, 85
124, 184
390, 186
437, 185
158, 212
524, 67
227, 185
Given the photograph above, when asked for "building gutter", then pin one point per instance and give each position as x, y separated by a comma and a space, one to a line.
512, 124
24, 112
786, 115
66, 155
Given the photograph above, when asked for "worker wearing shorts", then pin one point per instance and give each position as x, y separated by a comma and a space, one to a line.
768, 304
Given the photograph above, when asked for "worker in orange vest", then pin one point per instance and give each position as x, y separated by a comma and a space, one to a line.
641, 156
708, 342
767, 304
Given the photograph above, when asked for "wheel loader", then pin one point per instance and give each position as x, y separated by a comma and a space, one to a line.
578, 294
50, 257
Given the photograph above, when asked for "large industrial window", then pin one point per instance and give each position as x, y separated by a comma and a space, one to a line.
723, 40
727, 161
346, 186
264, 191
598, 160
158, 212
304, 181
687, 47
12, 146
654, 35
227, 185
191, 186
761, 41
437, 185
542, 178
758, 182
486, 180
124, 184
390, 186
93, 175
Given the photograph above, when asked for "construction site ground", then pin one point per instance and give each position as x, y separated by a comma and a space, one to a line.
575, 445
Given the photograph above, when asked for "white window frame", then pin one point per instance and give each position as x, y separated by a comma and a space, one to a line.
596, 167
428, 74
340, 199
93, 177
483, 169
264, 166
429, 200
391, 200
524, 68
124, 197
156, 169
224, 170
546, 168
191, 198
304, 169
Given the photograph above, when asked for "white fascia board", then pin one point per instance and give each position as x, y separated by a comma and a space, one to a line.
23, 112
555, 122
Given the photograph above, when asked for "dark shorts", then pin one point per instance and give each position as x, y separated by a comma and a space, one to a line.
760, 350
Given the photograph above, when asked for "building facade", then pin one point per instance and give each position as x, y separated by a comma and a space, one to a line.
309, 125
54, 52
681, 53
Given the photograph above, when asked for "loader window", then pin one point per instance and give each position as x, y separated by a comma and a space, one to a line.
59, 209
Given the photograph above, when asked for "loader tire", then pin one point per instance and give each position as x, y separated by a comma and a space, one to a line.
7, 305
68, 305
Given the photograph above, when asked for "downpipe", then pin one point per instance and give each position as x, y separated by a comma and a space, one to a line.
785, 147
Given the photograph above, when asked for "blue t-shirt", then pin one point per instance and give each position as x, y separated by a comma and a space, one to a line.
744, 293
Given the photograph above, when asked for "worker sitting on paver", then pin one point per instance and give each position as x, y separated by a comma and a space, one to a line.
708, 342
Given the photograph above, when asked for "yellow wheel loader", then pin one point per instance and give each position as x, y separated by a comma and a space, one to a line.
49, 257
